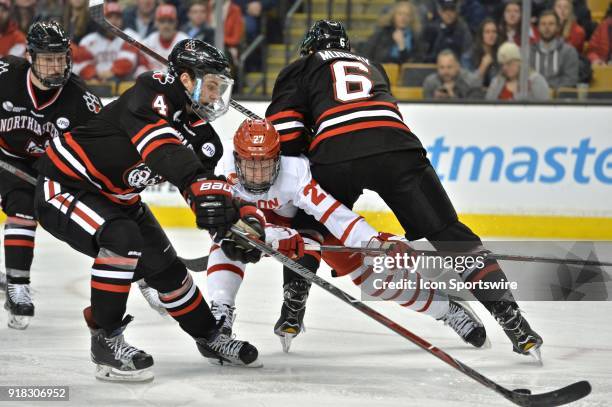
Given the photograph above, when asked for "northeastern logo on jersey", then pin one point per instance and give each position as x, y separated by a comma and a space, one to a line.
141, 176
163, 77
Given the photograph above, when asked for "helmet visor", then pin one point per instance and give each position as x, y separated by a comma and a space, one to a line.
257, 175
211, 95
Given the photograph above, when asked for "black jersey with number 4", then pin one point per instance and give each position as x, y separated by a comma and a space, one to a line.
30, 117
337, 106
138, 140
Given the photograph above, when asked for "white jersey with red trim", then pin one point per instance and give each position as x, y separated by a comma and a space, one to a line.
163, 48
295, 189
104, 52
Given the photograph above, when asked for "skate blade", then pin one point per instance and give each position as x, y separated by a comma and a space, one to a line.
110, 374
536, 353
20, 322
286, 338
218, 362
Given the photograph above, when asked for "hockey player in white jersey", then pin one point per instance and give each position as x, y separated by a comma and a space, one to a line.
281, 185
104, 56
164, 39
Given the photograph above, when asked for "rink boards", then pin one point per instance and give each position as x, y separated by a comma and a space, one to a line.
519, 171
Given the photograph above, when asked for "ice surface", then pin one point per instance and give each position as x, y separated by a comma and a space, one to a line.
344, 358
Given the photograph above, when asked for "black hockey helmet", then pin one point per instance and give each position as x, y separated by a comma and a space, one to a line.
325, 34
48, 37
210, 70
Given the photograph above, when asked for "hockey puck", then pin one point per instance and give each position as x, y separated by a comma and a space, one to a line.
522, 391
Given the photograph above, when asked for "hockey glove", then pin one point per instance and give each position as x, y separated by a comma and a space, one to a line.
285, 240
394, 246
211, 201
253, 222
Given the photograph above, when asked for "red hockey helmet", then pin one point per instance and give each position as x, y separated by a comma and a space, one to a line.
257, 155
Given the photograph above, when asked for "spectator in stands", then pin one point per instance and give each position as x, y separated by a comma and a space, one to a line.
24, 12
427, 10
141, 17
76, 20
473, 13
450, 32
600, 45
234, 26
197, 27
252, 12
451, 82
551, 56
482, 58
583, 17
47, 10
505, 85
105, 56
570, 31
164, 39
510, 25
12, 41
399, 38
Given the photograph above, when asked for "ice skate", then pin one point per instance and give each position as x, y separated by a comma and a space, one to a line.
115, 359
464, 321
225, 311
19, 305
224, 350
152, 296
525, 340
291, 321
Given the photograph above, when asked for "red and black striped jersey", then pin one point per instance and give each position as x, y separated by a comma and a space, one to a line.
336, 106
142, 138
31, 117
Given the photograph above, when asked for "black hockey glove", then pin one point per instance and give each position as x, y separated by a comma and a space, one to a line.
253, 222
210, 198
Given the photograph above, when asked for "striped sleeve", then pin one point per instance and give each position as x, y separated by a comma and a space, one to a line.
287, 114
154, 135
347, 226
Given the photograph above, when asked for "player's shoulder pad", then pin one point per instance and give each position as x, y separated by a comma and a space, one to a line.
293, 69
13, 64
293, 169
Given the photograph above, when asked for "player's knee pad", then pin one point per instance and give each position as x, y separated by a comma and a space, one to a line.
342, 263
169, 279
19, 203
121, 236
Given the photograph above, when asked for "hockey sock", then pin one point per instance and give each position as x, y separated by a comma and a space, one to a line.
19, 232
111, 279
224, 277
491, 272
183, 300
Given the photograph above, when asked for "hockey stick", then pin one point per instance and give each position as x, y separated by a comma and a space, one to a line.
199, 264
520, 397
96, 11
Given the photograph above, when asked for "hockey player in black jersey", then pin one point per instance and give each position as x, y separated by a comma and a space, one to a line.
40, 100
336, 107
88, 196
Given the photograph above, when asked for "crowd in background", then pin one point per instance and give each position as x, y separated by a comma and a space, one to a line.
474, 43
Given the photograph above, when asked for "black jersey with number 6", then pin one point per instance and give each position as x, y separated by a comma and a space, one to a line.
140, 139
337, 106
30, 117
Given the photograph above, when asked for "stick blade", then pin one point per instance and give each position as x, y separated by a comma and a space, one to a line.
197, 264
559, 397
